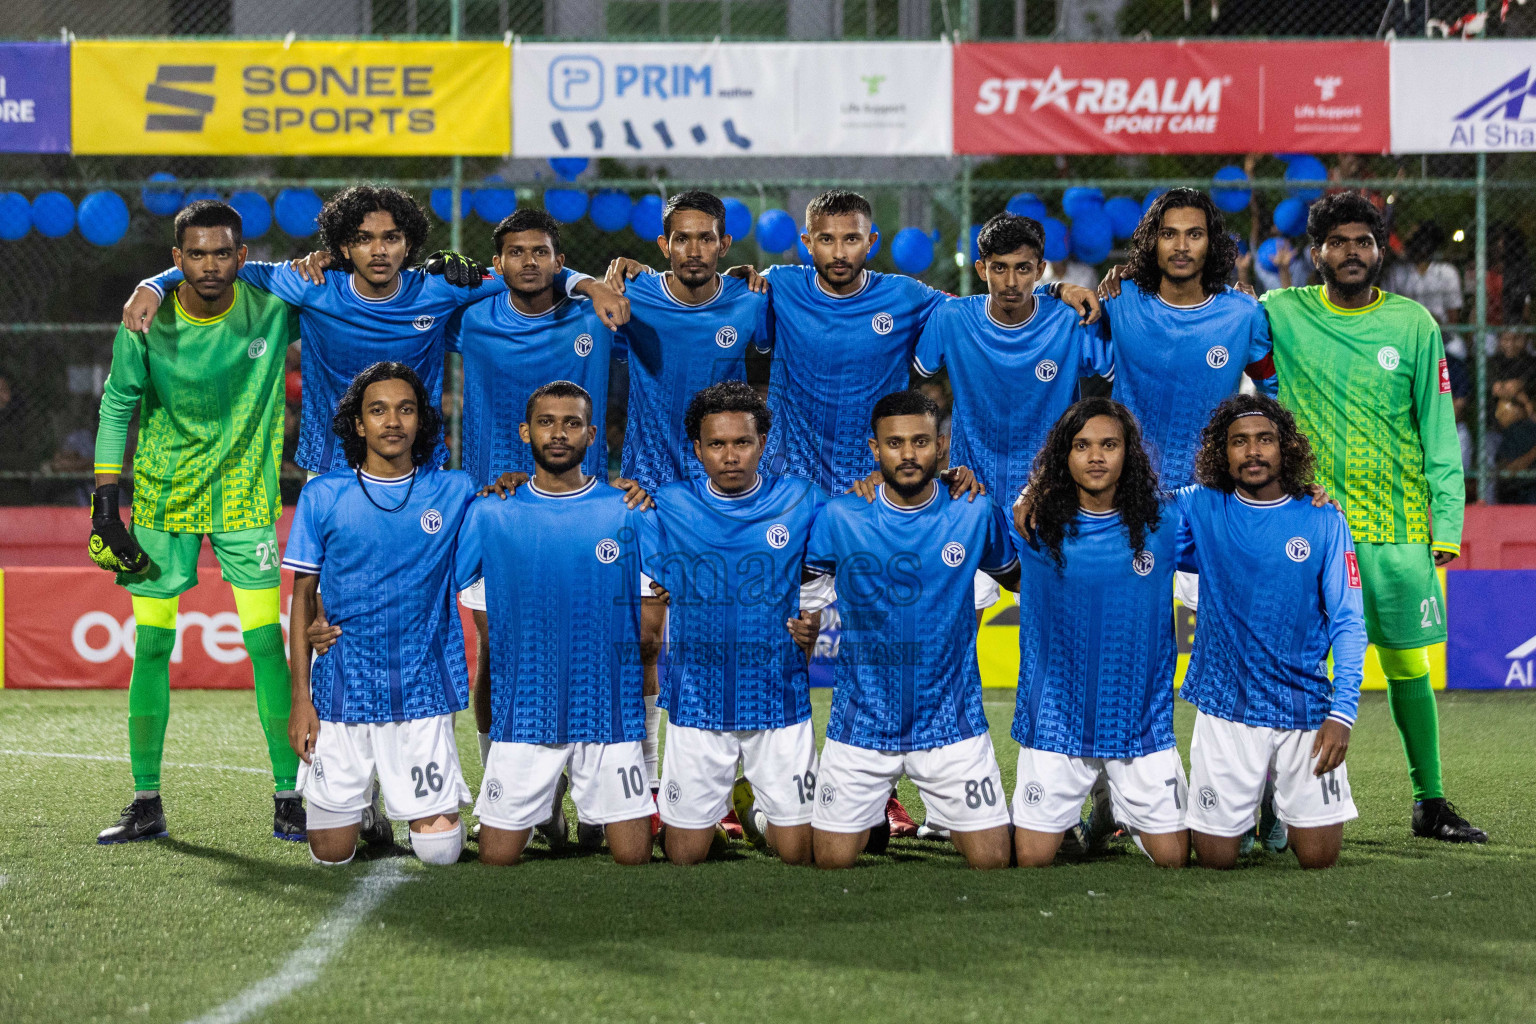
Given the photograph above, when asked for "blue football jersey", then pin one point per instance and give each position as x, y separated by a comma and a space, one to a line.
384, 552
1011, 384
1279, 587
562, 596
1175, 364
833, 358
732, 565
674, 351
1096, 643
507, 356
905, 670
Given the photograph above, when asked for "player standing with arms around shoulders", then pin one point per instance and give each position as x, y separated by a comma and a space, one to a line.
1364, 373
378, 539
206, 377
1279, 589
1096, 643
907, 697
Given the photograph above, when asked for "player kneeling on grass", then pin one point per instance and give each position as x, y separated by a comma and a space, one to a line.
1096, 643
730, 554
378, 539
1279, 587
561, 560
907, 695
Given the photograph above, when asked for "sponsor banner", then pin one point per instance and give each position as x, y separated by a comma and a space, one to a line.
1459, 96
731, 99
306, 99
1171, 97
34, 98
1493, 635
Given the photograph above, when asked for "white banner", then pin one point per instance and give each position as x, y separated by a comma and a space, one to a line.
731, 99
1460, 96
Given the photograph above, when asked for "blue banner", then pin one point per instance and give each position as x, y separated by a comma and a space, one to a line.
34, 98
1493, 629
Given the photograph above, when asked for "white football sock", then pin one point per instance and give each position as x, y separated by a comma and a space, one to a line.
652, 729
439, 848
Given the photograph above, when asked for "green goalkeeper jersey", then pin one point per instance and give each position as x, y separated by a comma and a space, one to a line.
1370, 389
210, 400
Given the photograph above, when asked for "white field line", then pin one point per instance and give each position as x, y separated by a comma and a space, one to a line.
306, 962
124, 760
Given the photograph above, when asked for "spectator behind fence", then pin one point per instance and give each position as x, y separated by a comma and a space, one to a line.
26, 438
1517, 447
1432, 283
1508, 277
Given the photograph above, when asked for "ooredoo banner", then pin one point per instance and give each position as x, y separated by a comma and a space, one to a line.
1171, 97
1455, 96
731, 99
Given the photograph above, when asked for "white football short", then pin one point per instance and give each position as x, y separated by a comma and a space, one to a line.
1186, 587
1147, 793
1229, 763
608, 783
473, 596
960, 784
985, 591
416, 762
700, 769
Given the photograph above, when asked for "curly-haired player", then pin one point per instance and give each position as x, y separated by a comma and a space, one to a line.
1279, 589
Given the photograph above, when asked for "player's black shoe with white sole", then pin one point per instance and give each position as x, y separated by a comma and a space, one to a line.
288, 819
376, 829
1437, 819
142, 819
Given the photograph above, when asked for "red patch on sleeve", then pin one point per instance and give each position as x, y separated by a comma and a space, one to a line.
1261, 370
1353, 565
1445, 378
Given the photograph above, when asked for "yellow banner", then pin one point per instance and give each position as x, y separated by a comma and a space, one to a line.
306, 99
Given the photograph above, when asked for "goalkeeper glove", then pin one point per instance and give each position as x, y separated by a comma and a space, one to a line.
112, 546
456, 268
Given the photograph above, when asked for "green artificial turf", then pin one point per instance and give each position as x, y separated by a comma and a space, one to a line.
1402, 930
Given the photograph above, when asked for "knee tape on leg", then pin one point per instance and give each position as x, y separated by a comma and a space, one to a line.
440, 848
319, 817
1405, 664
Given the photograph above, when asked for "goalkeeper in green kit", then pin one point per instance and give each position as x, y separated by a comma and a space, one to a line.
207, 380
1364, 372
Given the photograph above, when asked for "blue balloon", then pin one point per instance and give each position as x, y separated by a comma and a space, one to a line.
645, 218
609, 209
803, 254
1231, 200
738, 219
1306, 168
162, 202
53, 214
1286, 158
776, 231
1291, 216
874, 250
567, 168
1074, 201
975, 246
441, 202
15, 216
912, 250
1055, 239
198, 195
1151, 197
297, 211
1267, 249
496, 202
1092, 235
566, 205
103, 218
1124, 214
255, 213
1026, 204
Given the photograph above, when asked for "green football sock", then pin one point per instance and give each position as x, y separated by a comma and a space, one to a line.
1412, 703
274, 699
149, 704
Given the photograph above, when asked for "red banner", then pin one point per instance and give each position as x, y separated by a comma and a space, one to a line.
1172, 97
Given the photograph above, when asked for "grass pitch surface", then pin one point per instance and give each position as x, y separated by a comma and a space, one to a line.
1402, 930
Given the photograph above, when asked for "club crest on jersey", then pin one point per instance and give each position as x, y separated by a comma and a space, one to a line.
1217, 357
424, 322
607, 550
583, 344
828, 795
1297, 549
493, 790
1033, 793
1388, 358
953, 553
1046, 370
883, 323
1143, 562
431, 520
725, 337
778, 536
1207, 798
674, 792
258, 348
